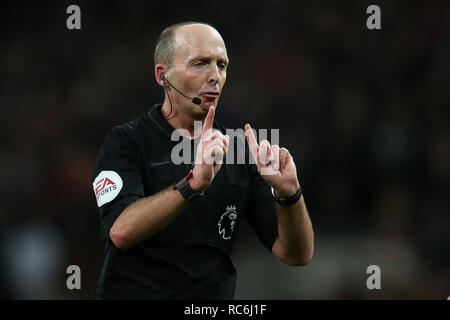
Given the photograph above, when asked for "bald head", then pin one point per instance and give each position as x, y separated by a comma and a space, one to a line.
174, 37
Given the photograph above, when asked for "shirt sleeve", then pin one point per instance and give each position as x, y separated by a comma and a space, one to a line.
117, 178
262, 213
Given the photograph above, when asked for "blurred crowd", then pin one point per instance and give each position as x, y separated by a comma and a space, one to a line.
365, 114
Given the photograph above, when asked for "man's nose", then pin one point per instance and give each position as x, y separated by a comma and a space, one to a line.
213, 74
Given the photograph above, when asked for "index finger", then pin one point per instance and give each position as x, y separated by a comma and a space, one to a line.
209, 119
252, 143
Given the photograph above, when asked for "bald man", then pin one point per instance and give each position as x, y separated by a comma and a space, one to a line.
169, 228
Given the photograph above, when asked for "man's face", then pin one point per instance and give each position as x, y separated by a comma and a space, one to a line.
200, 64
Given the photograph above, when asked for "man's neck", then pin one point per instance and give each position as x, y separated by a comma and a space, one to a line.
179, 120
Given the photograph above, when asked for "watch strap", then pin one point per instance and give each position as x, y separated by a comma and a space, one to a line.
185, 188
288, 201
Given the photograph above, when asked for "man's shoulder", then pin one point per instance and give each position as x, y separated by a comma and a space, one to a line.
129, 129
127, 135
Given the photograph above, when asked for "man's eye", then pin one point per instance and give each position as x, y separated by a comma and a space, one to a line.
199, 63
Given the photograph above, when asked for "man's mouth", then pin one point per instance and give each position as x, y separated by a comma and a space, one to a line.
211, 94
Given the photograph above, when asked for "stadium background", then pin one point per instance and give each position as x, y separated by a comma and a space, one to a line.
364, 113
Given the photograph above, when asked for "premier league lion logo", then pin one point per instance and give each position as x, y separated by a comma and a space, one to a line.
227, 222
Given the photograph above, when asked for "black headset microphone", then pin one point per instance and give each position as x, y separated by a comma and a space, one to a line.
195, 100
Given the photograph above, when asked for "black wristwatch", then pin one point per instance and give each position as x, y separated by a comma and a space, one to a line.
185, 189
288, 201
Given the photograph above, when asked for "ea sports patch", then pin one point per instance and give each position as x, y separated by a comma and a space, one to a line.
107, 186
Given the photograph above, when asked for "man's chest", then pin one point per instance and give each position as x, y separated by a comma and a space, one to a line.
212, 218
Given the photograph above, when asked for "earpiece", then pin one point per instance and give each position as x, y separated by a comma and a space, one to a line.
163, 76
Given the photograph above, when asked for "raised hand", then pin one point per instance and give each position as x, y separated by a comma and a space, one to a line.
275, 165
210, 152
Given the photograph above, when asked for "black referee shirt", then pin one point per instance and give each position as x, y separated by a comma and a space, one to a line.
190, 258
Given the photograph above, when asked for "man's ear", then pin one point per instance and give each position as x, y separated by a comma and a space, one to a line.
160, 73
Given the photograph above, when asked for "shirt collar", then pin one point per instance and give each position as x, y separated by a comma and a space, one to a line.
156, 115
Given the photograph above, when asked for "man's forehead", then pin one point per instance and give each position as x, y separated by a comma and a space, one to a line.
196, 39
